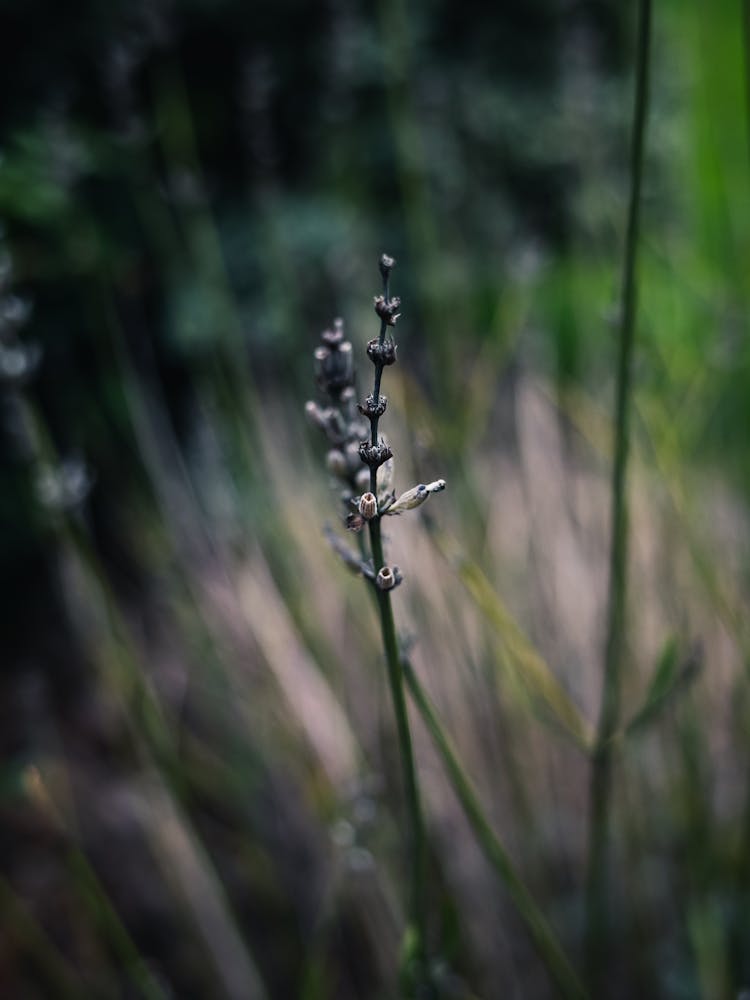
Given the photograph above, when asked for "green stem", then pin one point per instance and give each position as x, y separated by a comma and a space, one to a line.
417, 852
746, 54
541, 933
417, 932
601, 772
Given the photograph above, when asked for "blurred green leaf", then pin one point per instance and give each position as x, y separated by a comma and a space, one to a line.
670, 678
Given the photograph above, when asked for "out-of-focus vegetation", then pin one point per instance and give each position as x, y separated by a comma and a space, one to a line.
199, 785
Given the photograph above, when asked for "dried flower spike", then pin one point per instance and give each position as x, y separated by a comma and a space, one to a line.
370, 495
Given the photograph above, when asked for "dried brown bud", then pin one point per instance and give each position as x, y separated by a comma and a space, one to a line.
334, 366
387, 309
328, 419
368, 506
381, 354
333, 338
373, 408
374, 455
336, 463
317, 415
355, 521
386, 265
388, 578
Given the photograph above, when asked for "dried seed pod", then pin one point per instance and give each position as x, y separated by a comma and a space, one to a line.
336, 463
386, 264
381, 354
333, 338
334, 366
328, 419
388, 310
386, 578
415, 496
373, 408
368, 506
314, 414
374, 455
354, 521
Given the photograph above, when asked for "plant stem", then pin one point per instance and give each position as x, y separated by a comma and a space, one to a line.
601, 772
746, 54
416, 940
541, 933
417, 851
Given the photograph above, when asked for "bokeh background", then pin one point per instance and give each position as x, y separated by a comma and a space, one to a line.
199, 780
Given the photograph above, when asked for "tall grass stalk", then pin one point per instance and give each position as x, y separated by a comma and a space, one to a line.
154, 741
93, 896
597, 934
541, 933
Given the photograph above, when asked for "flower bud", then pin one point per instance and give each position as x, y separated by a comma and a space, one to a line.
415, 496
334, 337
373, 408
375, 455
328, 419
336, 463
334, 366
368, 506
381, 354
388, 310
386, 265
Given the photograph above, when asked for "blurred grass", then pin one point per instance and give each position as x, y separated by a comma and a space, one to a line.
237, 651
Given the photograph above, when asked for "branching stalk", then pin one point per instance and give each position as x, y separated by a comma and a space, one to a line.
417, 852
354, 445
